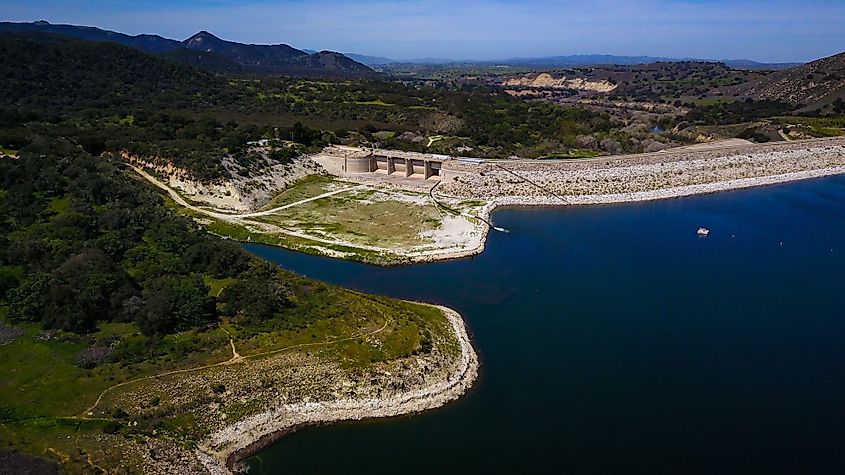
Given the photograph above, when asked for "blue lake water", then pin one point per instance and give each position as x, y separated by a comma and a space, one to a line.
613, 339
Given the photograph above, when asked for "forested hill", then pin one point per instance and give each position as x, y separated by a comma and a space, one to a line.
83, 244
102, 284
253, 55
110, 98
210, 52
60, 76
149, 43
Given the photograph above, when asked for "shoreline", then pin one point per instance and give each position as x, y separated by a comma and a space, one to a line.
601, 199
225, 448
618, 198
474, 242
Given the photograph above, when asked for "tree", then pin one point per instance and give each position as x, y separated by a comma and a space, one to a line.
215, 257
85, 289
258, 295
25, 301
839, 106
9, 279
176, 303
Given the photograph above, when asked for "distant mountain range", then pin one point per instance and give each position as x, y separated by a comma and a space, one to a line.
593, 59
576, 60
206, 51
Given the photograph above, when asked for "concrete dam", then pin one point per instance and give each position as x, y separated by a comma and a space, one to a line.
391, 165
405, 164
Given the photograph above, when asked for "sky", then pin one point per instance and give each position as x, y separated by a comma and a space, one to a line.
769, 31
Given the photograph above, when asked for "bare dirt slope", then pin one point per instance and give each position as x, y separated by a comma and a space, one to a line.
814, 84
239, 192
545, 80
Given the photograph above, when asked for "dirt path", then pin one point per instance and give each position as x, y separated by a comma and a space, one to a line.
411, 255
176, 197
297, 203
236, 358
227, 216
233, 442
236, 219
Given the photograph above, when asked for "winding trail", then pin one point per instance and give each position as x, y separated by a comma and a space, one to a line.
236, 358
237, 219
423, 254
297, 203
228, 216
223, 448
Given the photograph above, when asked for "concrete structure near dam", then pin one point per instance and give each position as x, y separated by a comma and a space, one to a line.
407, 164
392, 165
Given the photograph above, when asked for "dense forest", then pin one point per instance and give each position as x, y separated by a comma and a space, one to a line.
83, 243
135, 102
100, 282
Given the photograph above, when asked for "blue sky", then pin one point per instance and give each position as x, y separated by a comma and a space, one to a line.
776, 30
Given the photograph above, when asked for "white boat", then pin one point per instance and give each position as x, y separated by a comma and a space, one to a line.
703, 231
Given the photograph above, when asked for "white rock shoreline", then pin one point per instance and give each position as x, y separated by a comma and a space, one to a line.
615, 198
226, 447
223, 449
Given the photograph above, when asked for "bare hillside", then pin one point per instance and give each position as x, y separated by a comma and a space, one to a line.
813, 85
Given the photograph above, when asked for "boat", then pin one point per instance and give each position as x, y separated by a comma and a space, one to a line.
703, 231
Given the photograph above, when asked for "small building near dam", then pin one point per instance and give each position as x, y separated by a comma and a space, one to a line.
407, 164
344, 160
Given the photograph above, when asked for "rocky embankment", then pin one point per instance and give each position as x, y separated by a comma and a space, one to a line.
646, 176
244, 404
243, 191
547, 81
411, 385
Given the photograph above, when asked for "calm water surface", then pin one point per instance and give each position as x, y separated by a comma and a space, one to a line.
614, 340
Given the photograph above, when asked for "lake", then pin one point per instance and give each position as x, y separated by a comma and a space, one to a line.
614, 339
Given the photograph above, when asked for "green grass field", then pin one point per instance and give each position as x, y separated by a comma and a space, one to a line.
365, 223
307, 187
362, 217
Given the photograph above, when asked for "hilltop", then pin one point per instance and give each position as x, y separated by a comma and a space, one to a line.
206, 51
279, 58
816, 85
255, 55
148, 43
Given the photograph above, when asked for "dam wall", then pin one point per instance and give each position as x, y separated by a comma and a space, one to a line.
402, 163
